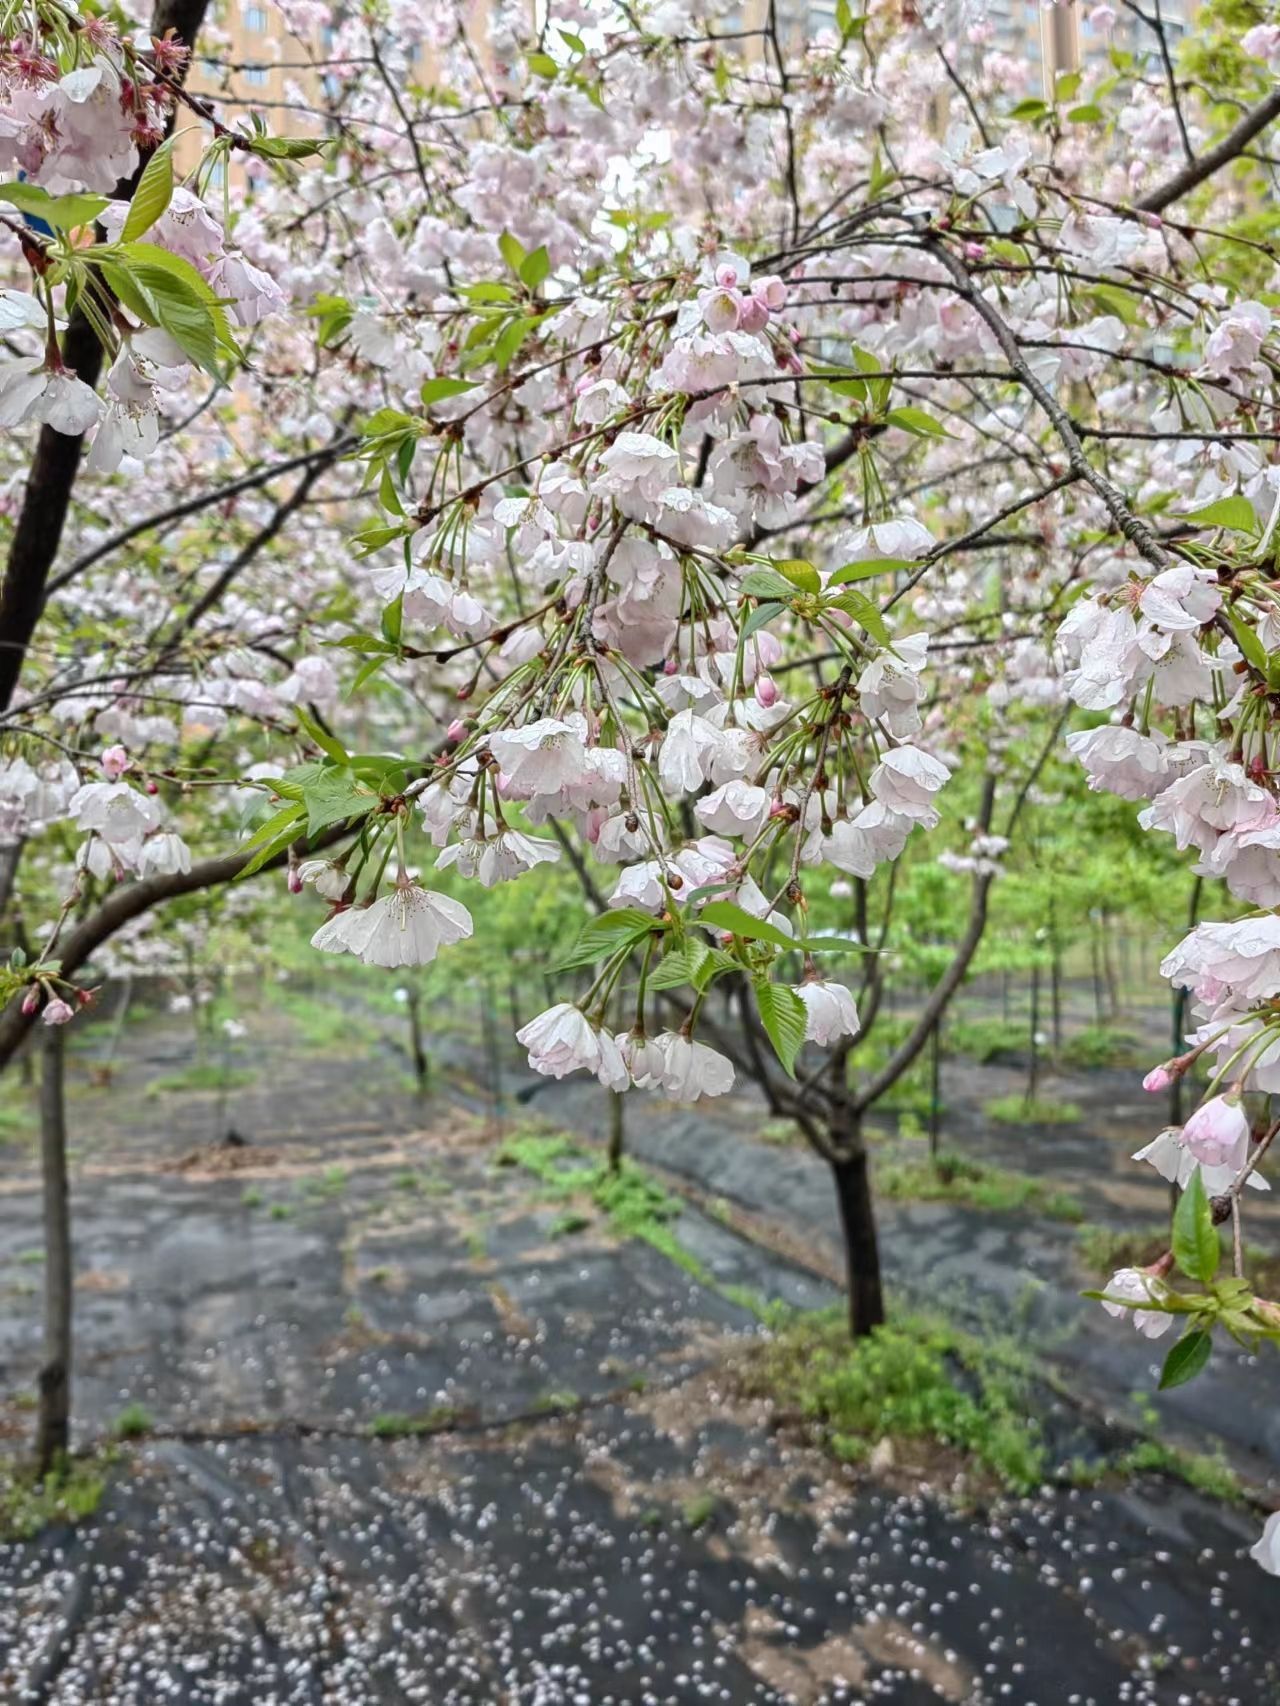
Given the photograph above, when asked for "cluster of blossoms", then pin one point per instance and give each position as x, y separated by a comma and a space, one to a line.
683, 499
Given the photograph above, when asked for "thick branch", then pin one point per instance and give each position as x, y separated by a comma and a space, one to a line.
1222, 154
56, 461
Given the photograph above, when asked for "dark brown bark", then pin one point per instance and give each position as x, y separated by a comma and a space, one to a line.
53, 1416
858, 1225
417, 1048
1213, 159
56, 461
615, 1131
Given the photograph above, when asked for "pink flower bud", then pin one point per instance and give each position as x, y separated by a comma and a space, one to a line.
726, 277
766, 691
31, 1002
779, 808
153, 787
973, 251
1159, 1078
58, 1012
115, 761
1217, 1134
457, 728
295, 880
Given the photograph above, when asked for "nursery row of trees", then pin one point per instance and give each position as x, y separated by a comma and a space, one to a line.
630, 447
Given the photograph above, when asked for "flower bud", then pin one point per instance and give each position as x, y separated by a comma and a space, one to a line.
1217, 1134
766, 691
58, 1012
1159, 1078
115, 761
31, 1002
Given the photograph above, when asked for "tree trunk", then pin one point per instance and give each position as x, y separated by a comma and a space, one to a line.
421, 1068
53, 1421
615, 1131
861, 1247
935, 1091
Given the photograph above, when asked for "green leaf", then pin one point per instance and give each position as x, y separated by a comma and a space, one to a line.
864, 571
766, 583
272, 837
800, 573
1186, 1359
512, 251
1067, 85
863, 611
542, 65
760, 617
62, 212
1089, 113
535, 267
333, 797
1195, 1239
679, 967
393, 621
436, 390
784, 1017
329, 744
153, 194
1249, 643
917, 421
1028, 110
606, 934
728, 915
1235, 513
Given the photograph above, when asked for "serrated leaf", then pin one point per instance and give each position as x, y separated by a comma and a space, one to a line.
606, 934
1248, 641
60, 212
334, 797
800, 573
864, 571
784, 1017
680, 967
153, 194
1186, 1359
436, 390
535, 267
512, 251
863, 611
1235, 513
1195, 1239
728, 915
917, 421
760, 617
766, 583
282, 828
329, 744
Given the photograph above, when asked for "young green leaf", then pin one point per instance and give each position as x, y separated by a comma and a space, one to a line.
801, 574
1235, 513
606, 934
783, 1015
153, 194
1186, 1359
864, 571
1195, 1238
917, 421
728, 915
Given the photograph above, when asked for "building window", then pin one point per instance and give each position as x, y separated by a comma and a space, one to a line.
255, 18
255, 74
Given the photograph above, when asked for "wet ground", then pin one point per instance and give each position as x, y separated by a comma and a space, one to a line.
595, 1514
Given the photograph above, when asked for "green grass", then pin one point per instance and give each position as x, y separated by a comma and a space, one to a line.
201, 1078
916, 1378
984, 1039
394, 1424
1207, 1473
632, 1202
132, 1422
1103, 1249
1017, 1110
321, 1025
1101, 1045
331, 1183
976, 1184
70, 1495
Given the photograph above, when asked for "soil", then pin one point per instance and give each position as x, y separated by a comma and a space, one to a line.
591, 1512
